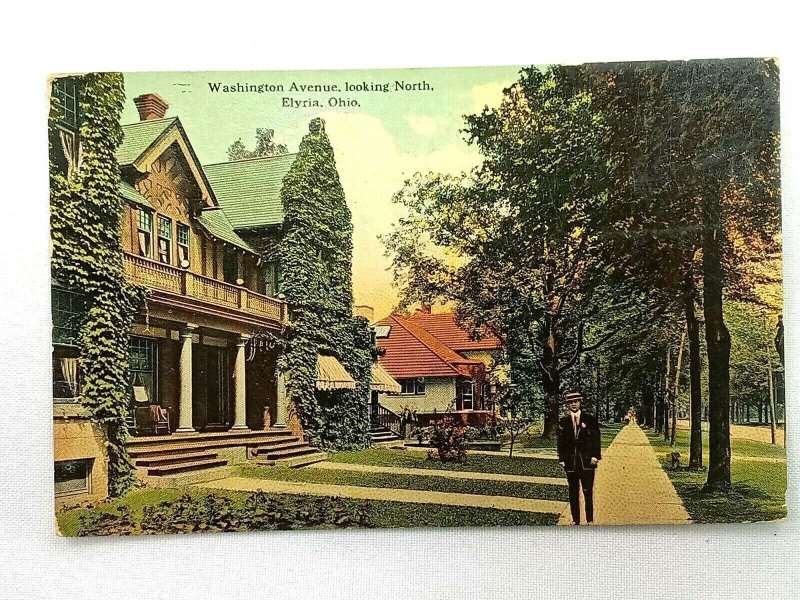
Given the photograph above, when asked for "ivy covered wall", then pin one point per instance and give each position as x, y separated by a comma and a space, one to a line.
85, 218
316, 254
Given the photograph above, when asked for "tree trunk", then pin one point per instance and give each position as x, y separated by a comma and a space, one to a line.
667, 394
696, 399
771, 401
659, 409
677, 389
718, 342
552, 383
648, 400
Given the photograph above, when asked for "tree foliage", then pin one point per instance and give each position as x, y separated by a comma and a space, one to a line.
265, 146
513, 243
316, 252
695, 144
85, 219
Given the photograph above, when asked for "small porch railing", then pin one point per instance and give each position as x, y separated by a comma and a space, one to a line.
185, 283
383, 417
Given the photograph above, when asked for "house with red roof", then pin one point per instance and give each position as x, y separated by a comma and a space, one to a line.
439, 366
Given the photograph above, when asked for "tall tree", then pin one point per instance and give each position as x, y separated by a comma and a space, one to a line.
697, 145
510, 242
317, 250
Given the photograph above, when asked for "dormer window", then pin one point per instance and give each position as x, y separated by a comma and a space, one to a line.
164, 240
145, 233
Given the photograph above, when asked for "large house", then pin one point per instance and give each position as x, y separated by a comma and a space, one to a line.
439, 366
205, 391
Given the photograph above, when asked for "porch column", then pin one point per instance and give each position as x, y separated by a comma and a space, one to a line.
239, 388
282, 412
185, 381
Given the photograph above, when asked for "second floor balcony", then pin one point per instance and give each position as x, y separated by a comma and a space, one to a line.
186, 284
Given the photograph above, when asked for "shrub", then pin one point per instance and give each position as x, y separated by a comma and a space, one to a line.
260, 511
450, 441
97, 522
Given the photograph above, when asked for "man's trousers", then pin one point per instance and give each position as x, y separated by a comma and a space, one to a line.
581, 478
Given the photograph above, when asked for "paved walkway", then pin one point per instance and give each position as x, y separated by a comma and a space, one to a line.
246, 484
631, 488
332, 466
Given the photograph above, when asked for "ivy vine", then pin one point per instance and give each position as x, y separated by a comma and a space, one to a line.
316, 254
85, 219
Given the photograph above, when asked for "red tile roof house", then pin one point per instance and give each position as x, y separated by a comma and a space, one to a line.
440, 368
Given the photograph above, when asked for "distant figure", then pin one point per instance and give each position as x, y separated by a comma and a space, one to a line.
779, 339
579, 453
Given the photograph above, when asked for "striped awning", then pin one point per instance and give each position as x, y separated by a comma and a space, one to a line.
382, 381
331, 375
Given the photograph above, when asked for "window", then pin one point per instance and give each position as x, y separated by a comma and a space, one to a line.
273, 278
66, 374
68, 311
183, 245
145, 232
230, 266
142, 366
415, 386
164, 240
65, 92
73, 476
467, 395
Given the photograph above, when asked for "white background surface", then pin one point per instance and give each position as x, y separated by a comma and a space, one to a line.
746, 561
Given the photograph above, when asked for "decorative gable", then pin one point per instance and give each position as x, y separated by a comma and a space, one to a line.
170, 187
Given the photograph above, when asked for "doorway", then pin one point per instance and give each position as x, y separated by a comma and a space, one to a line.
211, 388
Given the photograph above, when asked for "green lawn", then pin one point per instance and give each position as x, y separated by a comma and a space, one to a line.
481, 463
382, 514
758, 487
534, 440
410, 482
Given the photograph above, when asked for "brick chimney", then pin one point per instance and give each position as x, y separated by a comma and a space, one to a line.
151, 106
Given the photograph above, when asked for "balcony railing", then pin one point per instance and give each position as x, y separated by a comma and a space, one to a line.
177, 281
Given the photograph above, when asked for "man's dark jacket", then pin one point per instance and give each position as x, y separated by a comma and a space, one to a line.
577, 452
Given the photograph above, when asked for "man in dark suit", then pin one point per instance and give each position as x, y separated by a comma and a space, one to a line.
579, 453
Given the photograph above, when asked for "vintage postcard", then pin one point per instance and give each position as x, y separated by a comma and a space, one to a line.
524, 295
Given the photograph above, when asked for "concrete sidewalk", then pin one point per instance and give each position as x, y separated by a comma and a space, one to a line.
631, 488
246, 484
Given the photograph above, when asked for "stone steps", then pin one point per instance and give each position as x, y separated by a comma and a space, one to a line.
184, 466
382, 435
295, 462
184, 444
271, 448
171, 459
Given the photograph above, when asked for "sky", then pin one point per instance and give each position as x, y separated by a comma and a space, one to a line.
378, 144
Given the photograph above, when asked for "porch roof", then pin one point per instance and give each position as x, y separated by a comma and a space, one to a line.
382, 381
217, 225
331, 375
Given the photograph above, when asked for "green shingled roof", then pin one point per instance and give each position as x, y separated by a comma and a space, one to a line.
139, 137
128, 192
249, 191
215, 222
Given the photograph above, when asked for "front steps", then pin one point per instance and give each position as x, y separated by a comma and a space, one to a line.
383, 435
195, 457
292, 452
